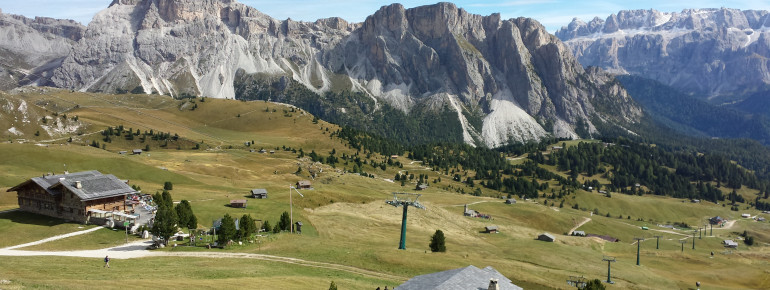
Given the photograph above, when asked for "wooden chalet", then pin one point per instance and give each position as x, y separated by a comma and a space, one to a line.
72, 196
304, 184
260, 193
136, 151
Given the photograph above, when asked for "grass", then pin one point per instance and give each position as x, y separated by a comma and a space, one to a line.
100, 239
21, 227
346, 220
65, 272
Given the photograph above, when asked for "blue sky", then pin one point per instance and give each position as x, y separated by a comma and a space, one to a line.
551, 13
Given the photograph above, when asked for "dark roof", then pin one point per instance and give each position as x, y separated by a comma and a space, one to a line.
549, 236
94, 184
95, 187
459, 279
259, 191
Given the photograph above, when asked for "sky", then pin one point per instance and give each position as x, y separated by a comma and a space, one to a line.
553, 14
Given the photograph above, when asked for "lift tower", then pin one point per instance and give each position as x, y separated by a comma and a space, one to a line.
405, 200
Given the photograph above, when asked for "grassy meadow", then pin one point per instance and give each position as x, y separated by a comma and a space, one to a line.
346, 220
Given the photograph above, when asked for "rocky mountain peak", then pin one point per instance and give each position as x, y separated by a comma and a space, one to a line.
31, 48
504, 79
706, 52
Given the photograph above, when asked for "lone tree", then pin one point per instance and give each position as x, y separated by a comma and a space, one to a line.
333, 286
168, 185
227, 230
437, 242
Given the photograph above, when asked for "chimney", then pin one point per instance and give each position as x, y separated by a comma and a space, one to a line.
493, 285
78, 185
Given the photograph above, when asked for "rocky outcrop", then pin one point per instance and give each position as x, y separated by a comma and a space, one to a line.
31, 48
505, 79
704, 52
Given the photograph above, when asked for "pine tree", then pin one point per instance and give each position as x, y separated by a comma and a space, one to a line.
594, 284
247, 227
267, 227
284, 224
165, 223
333, 286
226, 230
186, 216
437, 242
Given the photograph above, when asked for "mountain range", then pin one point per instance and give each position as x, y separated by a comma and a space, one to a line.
720, 55
505, 80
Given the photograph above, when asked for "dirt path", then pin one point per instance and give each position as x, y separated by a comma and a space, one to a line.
139, 250
586, 220
472, 203
59, 237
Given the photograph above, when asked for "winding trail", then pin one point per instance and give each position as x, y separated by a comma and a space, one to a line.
586, 220
472, 203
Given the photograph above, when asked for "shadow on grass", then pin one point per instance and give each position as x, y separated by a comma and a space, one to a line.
139, 247
22, 217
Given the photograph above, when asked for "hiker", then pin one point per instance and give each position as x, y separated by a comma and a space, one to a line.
107, 261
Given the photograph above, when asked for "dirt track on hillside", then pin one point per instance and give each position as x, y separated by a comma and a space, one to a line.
138, 249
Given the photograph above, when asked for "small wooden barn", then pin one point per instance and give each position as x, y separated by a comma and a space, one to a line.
546, 237
304, 184
238, 203
491, 229
260, 193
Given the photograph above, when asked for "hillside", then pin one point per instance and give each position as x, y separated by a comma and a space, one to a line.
347, 222
692, 116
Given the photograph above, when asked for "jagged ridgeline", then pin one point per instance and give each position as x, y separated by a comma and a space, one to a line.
719, 54
433, 72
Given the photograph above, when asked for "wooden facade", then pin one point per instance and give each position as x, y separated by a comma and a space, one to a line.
70, 196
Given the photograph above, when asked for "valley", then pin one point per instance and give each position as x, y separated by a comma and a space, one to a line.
350, 235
